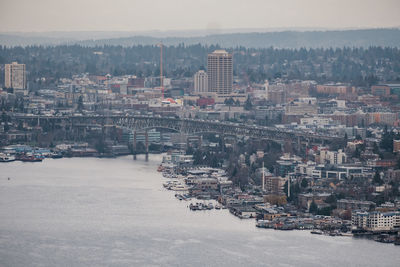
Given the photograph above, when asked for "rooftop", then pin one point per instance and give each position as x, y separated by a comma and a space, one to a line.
221, 51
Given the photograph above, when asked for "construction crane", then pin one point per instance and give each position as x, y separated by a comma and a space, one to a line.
161, 69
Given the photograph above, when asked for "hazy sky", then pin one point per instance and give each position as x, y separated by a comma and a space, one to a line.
145, 15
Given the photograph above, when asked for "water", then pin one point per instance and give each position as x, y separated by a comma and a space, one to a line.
115, 212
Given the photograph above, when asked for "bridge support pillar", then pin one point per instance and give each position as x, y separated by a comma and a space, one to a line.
134, 145
147, 145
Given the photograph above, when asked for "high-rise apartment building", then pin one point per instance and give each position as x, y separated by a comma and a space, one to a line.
220, 72
201, 82
15, 77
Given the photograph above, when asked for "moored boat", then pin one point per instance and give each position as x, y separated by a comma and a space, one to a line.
55, 155
264, 224
179, 187
30, 158
385, 238
6, 158
316, 232
346, 234
179, 196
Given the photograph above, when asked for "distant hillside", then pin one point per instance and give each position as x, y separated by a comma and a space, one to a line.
284, 39
18, 40
287, 39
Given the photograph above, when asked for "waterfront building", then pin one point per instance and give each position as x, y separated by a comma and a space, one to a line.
359, 219
15, 77
181, 160
119, 150
205, 183
201, 82
274, 185
220, 72
376, 220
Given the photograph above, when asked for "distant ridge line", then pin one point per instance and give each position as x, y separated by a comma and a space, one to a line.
387, 37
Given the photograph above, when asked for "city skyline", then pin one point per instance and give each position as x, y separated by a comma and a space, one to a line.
199, 133
139, 16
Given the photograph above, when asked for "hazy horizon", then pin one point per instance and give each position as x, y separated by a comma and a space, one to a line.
188, 15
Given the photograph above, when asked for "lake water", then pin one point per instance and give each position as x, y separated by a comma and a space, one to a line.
115, 212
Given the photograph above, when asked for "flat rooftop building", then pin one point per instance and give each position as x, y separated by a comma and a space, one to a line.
220, 72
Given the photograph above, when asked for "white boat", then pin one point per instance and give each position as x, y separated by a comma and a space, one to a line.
171, 183
179, 187
193, 206
346, 234
6, 158
179, 196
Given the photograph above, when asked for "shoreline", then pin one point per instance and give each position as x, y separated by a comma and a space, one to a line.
301, 223
258, 222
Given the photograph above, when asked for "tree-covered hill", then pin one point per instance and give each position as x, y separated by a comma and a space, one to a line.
279, 39
359, 66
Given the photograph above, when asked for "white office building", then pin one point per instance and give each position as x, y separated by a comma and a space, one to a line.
201, 82
15, 77
376, 220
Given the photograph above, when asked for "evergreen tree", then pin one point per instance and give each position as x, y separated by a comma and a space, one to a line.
313, 208
377, 178
248, 105
80, 103
387, 140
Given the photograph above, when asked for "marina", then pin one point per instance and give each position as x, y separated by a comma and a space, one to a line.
216, 192
97, 210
